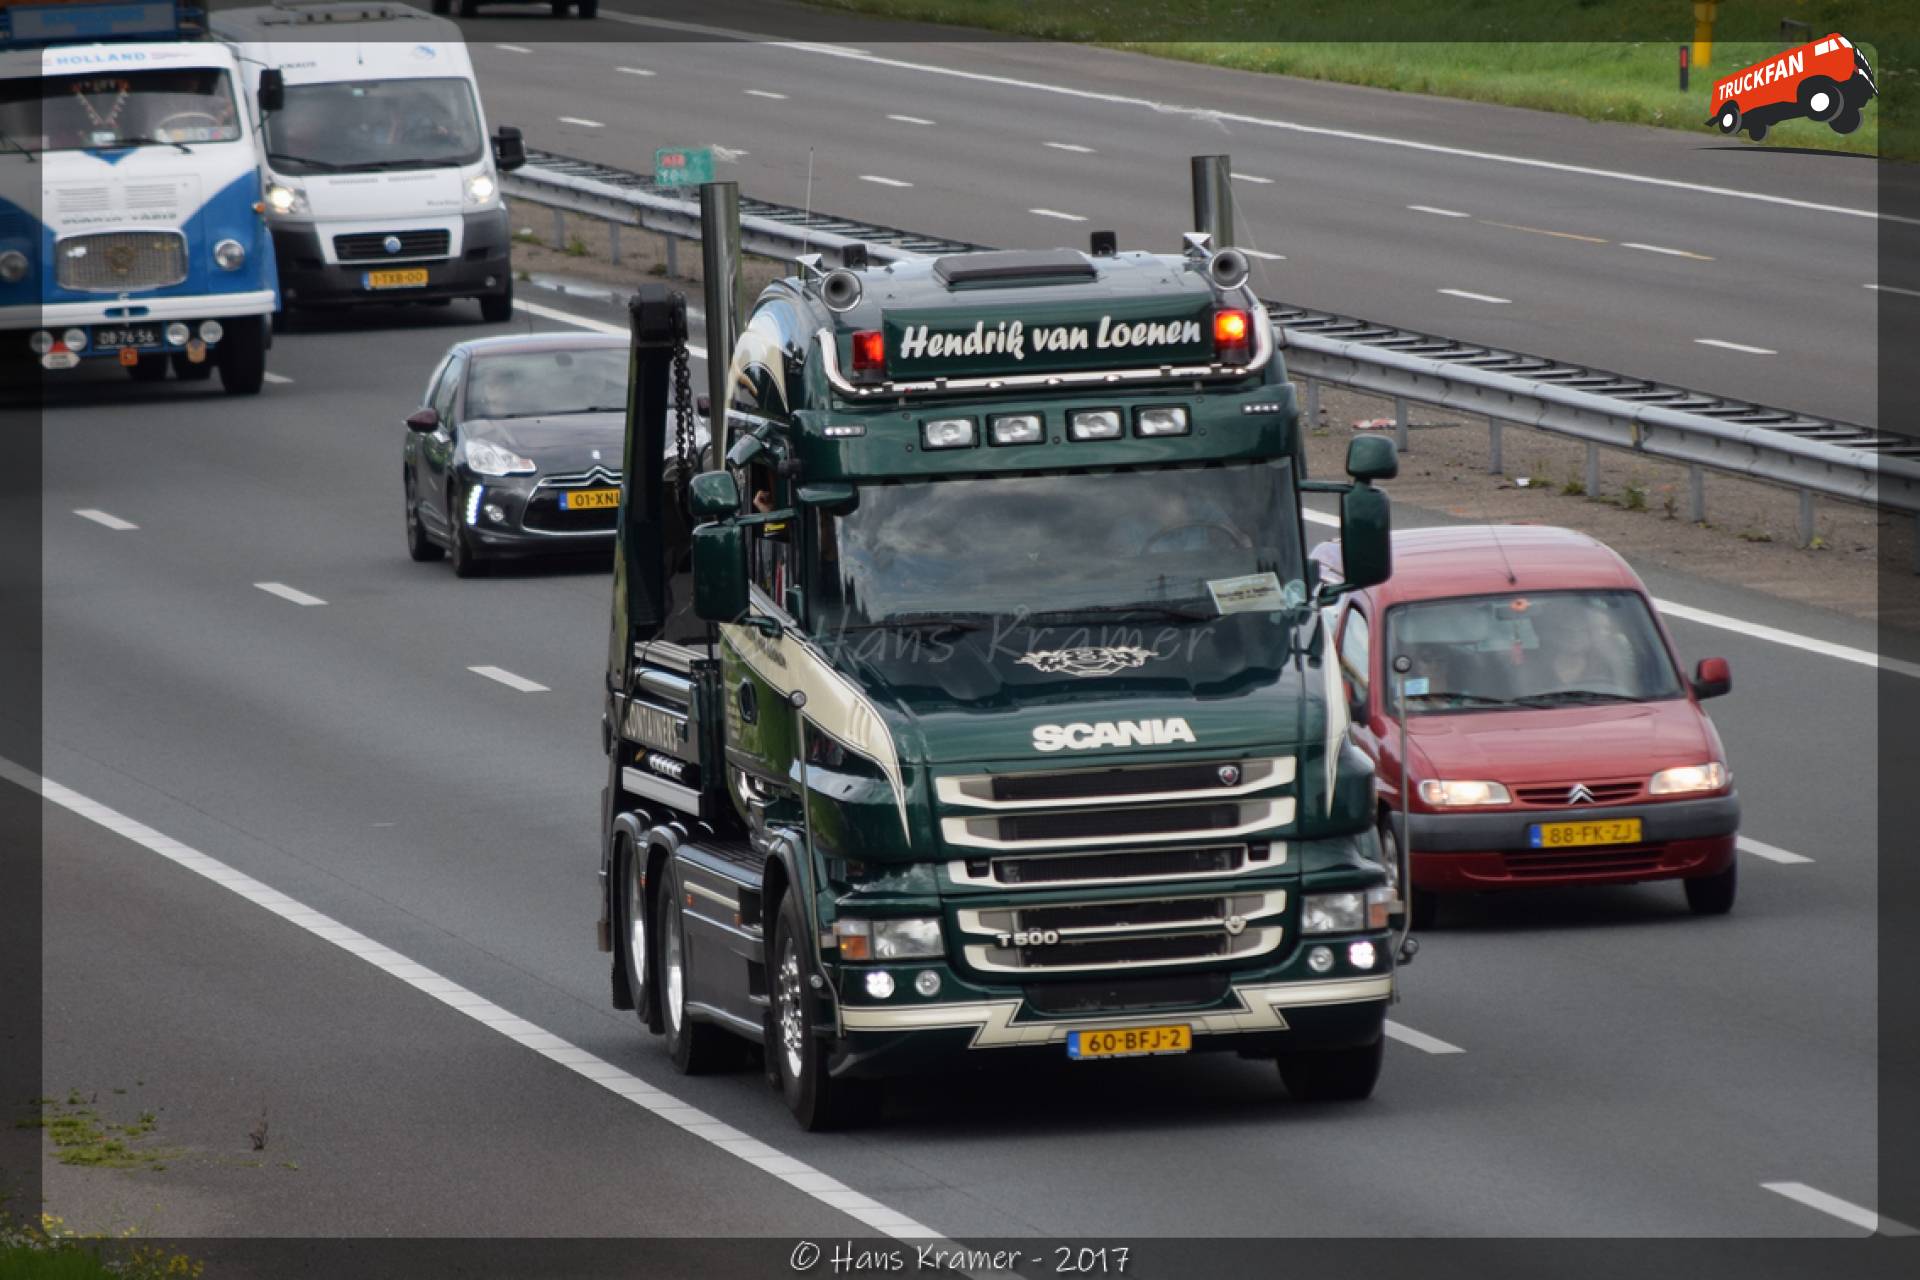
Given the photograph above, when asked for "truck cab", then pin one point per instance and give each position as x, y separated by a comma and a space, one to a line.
989, 708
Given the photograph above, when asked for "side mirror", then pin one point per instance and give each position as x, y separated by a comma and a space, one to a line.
1366, 539
720, 572
509, 148
713, 495
273, 91
1712, 678
1372, 458
423, 420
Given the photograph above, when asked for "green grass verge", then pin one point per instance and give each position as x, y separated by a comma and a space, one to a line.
1615, 61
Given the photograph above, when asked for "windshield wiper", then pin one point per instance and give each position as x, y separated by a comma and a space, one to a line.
1144, 606
326, 165
916, 621
22, 149
592, 408
145, 142
1473, 699
1574, 695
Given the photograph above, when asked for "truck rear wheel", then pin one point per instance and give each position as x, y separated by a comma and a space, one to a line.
1729, 119
636, 940
187, 371
148, 369
1333, 1075
1820, 98
1846, 121
696, 1047
1713, 895
818, 1101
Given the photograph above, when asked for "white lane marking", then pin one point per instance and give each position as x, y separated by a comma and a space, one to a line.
883, 181
280, 379
1262, 253
1235, 117
765, 93
1754, 630
1672, 253
1445, 213
1420, 1039
513, 48
1070, 146
101, 517
1257, 181
286, 592
584, 124
510, 680
585, 322
1894, 288
1771, 853
795, 1173
1475, 297
911, 119
1736, 346
1845, 1210
634, 71
1055, 213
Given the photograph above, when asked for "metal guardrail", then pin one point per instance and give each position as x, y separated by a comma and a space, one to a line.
1811, 454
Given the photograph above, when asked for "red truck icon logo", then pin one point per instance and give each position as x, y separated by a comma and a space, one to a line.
1828, 80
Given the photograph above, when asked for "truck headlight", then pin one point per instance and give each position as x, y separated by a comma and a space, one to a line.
491, 460
1449, 794
1161, 422
1015, 428
282, 198
1688, 777
946, 433
1094, 424
13, 266
914, 937
480, 188
1333, 913
231, 255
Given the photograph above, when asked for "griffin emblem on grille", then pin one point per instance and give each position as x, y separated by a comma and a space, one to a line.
120, 259
1103, 660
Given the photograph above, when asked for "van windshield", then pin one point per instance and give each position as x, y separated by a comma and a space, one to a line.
107, 110
360, 125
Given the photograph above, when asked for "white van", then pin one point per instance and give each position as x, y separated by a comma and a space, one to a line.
381, 185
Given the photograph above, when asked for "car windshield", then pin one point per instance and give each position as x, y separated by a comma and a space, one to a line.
532, 384
1557, 648
1182, 543
374, 124
102, 111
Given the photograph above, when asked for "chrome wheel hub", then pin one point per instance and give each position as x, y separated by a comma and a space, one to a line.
637, 932
788, 995
676, 971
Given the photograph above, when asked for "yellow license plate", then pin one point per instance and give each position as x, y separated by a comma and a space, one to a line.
410, 278
590, 499
1129, 1042
1576, 835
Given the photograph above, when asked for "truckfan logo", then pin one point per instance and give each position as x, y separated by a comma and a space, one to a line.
1103, 660
1828, 81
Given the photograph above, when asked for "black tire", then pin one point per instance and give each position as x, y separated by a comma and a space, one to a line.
695, 1047
497, 308
242, 356
149, 369
559, 8
443, 7
1846, 121
1426, 910
187, 371
466, 561
1729, 119
634, 941
1831, 101
798, 1055
1757, 131
1713, 895
1423, 905
419, 546
1333, 1075
588, 8
283, 321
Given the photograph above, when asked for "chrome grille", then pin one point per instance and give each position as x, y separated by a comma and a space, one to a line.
117, 261
1118, 825
1557, 794
1153, 932
1120, 866
371, 246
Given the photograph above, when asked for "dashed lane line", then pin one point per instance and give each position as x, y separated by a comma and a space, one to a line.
1741, 347
1894, 288
1771, 853
765, 93
288, 593
583, 123
1444, 213
1845, 1210
1255, 179
1262, 253
102, 518
1542, 231
1055, 213
1074, 147
911, 119
1420, 1040
512, 681
587, 322
634, 71
1474, 297
1671, 253
513, 48
884, 181
278, 379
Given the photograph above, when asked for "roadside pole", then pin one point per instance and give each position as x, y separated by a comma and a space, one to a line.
720, 267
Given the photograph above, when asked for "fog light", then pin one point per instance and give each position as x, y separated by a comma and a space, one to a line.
41, 342
495, 513
927, 983
1360, 955
1320, 959
211, 331
178, 333
74, 339
879, 984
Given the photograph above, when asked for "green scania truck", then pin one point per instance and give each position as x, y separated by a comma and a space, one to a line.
973, 694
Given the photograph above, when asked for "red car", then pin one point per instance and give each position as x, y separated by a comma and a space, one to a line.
1554, 738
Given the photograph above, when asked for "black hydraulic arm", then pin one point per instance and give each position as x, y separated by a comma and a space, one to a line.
650, 519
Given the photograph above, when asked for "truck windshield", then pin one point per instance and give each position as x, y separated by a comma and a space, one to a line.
374, 124
1182, 543
1555, 648
105, 110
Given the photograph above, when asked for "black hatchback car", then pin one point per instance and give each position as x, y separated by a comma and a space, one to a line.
517, 450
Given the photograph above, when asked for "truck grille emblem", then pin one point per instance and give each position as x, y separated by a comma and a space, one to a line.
1579, 794
1229, 774
1102, 660
391, 244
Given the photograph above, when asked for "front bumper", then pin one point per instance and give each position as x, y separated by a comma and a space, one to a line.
138, 311
1679, 839
532, 523
483, 266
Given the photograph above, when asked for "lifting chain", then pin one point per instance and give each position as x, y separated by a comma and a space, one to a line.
683, 426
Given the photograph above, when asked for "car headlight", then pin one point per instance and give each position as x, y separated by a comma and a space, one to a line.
480, 188
915, 937
231, 255
1333, 912
282, 198
1448, 794
13, 266
491, 460
1688, 777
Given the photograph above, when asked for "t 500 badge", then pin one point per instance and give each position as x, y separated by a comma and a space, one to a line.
1828, 80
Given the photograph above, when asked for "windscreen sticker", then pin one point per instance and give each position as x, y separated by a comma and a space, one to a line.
1417, 686
1255, 591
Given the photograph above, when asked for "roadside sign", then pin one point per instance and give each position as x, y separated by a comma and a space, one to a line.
683, 166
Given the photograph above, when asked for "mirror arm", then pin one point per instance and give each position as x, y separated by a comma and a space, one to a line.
1325, 486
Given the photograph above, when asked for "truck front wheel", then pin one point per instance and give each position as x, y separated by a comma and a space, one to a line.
696, 1047
1333, 1075
242, 356
817, 1100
